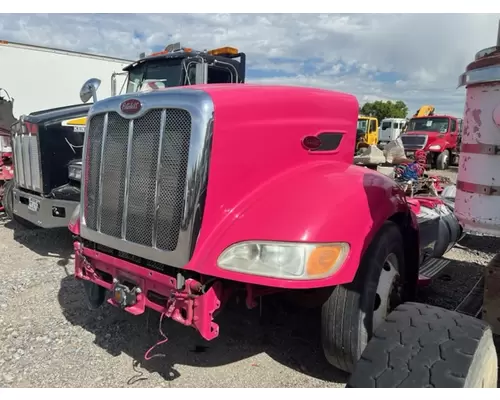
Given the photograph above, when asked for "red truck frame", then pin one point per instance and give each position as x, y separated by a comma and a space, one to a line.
191, 195
438, 135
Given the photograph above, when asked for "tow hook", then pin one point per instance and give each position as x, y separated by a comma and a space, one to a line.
123, 295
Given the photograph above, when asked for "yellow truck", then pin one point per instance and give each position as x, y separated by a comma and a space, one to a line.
367, 132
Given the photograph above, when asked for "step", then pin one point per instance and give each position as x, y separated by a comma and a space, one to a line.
431, 268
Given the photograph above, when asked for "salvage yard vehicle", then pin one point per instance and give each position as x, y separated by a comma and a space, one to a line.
390, 129
47, 144
367, 131
438, 135
177, 215
425, 346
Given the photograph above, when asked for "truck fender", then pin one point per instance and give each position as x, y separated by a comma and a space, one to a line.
321, 202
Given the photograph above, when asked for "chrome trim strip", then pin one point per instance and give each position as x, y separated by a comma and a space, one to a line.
30, 160
163, 122
27, 168
480, 75
24, 163
127, 178
39, 159
104, 135
200, 105
83, 186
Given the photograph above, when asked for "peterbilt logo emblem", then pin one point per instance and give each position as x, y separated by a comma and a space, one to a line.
131, 106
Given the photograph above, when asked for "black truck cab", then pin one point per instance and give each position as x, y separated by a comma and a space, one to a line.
47, 144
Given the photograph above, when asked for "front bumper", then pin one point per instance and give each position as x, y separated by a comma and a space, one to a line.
193, 305
41, 211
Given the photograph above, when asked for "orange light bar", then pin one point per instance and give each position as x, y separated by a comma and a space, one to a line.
223, 50
158, 53
184, 49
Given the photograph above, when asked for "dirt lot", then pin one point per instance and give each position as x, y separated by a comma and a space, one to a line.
48, 338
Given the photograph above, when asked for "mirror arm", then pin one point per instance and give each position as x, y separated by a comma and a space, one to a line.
94, 93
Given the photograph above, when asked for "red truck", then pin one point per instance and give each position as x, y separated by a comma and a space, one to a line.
192, 196
438, 135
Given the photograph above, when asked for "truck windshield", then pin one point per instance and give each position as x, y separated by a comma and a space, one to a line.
429, 124
385, 125
362, 124
154, 75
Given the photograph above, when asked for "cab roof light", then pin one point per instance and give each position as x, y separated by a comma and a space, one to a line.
223, 51
157, 53
183, 49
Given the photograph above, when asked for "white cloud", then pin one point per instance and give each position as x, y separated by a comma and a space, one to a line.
420, 55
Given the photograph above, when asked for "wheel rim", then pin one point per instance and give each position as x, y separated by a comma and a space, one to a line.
444, 163
387, 294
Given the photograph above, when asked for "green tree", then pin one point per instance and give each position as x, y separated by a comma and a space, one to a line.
385, 109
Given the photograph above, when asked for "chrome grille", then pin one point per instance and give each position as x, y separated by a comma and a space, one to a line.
27, 162
414, 142
113, 170
136, 176
142, 182
92, 165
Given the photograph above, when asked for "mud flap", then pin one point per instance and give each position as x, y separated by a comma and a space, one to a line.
431, 268
94, 294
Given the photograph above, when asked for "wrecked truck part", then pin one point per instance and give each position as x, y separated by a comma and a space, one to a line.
44, 144
177, 216
439, 227
189, 306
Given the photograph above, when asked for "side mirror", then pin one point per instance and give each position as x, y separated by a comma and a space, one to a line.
201, 73
89, 89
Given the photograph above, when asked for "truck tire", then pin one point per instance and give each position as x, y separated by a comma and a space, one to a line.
8, 204
353, 310
443, 160
8, 199
425, 346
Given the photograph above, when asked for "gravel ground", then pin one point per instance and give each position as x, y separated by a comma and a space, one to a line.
48, 338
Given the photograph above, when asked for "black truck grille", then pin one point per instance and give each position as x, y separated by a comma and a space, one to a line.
135, 176
414, 142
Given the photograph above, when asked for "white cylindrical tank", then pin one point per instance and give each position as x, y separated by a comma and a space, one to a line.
477, 202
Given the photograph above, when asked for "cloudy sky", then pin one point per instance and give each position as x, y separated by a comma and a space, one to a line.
416, 58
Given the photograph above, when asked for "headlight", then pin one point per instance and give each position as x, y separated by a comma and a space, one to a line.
75, 172
435, 147
284, 260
